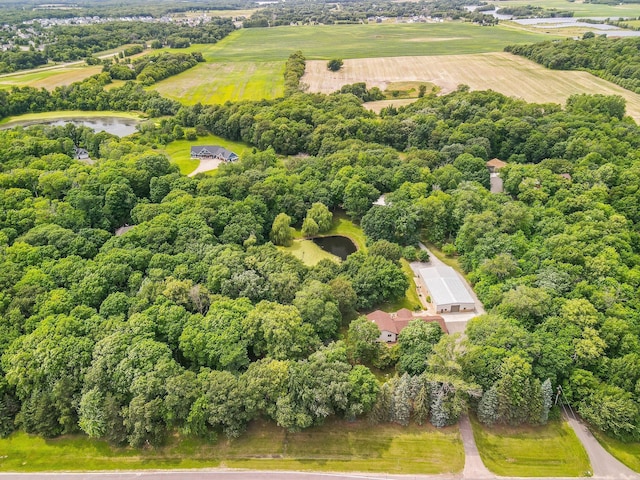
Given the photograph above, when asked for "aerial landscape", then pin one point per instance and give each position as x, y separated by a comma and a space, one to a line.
290, 239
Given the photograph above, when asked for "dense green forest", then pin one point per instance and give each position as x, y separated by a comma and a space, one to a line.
194, 321
614, 59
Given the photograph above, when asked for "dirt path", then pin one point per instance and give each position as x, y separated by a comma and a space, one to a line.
604, 465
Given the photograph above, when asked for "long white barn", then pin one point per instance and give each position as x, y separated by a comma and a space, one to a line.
448, 293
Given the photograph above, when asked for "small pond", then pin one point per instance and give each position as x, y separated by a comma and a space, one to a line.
337, 245
119, 126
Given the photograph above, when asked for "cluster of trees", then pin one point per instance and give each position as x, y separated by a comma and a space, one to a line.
12, 60
531, 11
64, 43
293, 72
194, 298
154, 67
614, 59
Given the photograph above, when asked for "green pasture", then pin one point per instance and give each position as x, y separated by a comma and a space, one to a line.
49, 77
219, 82
336, 446
179, 151
363, 41
627, 453
551, 450
580, 8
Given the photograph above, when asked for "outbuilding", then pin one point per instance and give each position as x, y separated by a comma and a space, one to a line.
446, 289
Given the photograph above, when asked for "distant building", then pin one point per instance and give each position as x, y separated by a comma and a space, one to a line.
210, 152
391, 324
494, 165
448, 293
80, 153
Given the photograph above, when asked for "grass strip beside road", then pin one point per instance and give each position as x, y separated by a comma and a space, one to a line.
627, 453
336, 446
551, 450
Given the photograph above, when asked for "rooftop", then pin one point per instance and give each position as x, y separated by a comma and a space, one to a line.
445, 285
396, 322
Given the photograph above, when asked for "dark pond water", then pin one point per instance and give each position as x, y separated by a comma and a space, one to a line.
115, 125
338, 245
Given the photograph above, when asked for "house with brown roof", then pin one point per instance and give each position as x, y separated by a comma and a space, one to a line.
391, 324
494, 165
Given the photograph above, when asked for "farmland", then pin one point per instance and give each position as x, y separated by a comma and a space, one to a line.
48, 78
502, 72
248, 64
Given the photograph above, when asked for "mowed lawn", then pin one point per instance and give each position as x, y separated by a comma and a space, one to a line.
552, 450
179, 151
503, 72
336, 446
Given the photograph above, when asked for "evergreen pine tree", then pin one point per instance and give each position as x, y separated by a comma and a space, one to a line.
488, 407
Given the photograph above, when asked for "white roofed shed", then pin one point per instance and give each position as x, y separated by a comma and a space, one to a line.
447, 291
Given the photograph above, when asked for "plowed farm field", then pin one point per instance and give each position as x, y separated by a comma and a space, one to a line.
502, 72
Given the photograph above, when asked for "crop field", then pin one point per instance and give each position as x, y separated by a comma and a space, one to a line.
48, 78
581, 8
249, 63
220, 82
505, 73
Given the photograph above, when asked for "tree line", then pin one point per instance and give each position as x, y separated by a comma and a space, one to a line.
152, 68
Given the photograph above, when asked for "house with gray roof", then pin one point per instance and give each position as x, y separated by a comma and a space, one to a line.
210, 152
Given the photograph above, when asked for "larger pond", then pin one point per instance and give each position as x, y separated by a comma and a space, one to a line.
119, 126
337, 245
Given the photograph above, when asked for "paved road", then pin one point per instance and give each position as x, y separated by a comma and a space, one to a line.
473, 466
603, 463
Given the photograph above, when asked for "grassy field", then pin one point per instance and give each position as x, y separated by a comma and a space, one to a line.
627, 453
337, 446
581, 8
362, 41
67, 114
50, 78
308, 252
179, 151
552, 450
220, 82
505, 73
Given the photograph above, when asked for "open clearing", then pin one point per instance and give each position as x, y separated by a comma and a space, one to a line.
179, 151
308, 252
221, 82
336, 446
503, 72
552, 450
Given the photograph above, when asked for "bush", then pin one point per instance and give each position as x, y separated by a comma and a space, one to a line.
423, 256
335, 64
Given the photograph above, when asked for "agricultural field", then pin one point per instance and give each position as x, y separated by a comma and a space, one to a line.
48, 77
551, 450
249, 63
336, 446
220, 82
503, 72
